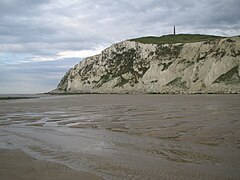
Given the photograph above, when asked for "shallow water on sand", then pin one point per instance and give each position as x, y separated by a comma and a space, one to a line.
129, 136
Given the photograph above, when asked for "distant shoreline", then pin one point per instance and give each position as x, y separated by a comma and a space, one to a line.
36, 96
14, 97
20, 96
173, 93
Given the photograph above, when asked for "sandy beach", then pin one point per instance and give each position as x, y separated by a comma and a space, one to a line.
17, 165
121, 137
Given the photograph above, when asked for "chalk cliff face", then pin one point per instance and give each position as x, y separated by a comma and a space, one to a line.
133, 67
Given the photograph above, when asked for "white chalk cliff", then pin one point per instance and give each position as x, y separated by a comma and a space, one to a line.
133, 67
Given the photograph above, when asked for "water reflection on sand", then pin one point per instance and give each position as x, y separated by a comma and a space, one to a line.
129, 136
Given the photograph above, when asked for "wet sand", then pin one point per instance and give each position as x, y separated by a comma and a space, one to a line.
16, 165
129, 136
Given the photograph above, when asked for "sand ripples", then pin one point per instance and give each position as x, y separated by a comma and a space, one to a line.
129, 137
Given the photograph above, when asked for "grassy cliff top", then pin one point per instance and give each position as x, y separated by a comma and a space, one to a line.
178, 38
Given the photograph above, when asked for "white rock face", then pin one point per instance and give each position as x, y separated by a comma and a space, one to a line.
132, 67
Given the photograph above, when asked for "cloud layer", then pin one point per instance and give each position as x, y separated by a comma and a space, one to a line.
34, 77
47, 28
55, 29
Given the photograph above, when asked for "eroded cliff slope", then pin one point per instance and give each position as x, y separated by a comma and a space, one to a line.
133, 67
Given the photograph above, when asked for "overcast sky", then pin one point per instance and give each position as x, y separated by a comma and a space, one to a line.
41, 39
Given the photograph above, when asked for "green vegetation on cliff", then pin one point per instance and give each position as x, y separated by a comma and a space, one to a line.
179, 38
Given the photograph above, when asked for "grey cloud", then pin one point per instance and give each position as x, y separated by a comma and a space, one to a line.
94, 22
33, 77
22, 7
210, 13
46, 27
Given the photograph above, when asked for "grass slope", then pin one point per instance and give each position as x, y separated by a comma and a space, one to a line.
179, 38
